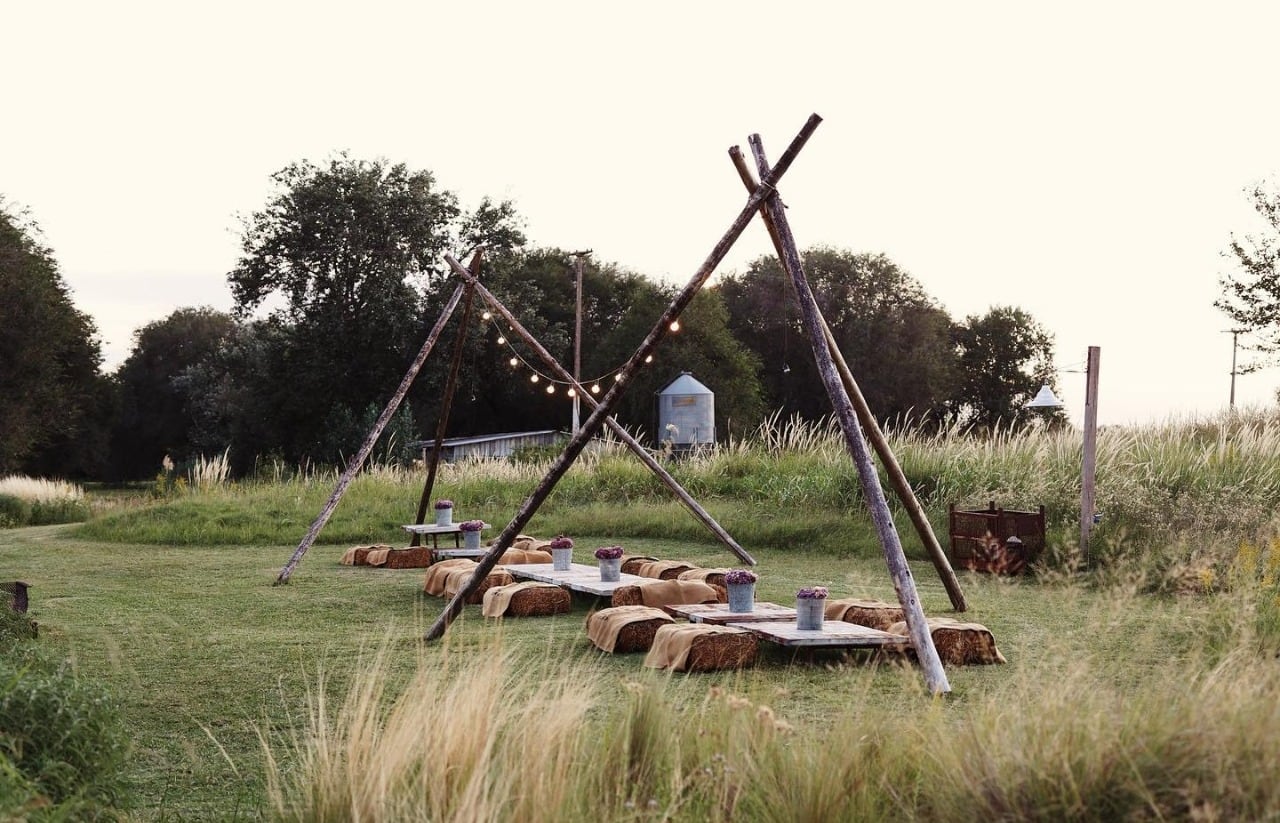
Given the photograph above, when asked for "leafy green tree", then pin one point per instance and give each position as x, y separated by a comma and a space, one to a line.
348, 253
895, 338
156, 411
53, 399
1251, 293
1004, 358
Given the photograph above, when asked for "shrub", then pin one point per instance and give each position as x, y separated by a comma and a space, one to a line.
14, 511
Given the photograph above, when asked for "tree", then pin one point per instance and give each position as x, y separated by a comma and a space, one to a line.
1251, 294
156, 416
1004, 358
352, 250
895, 338
52, 396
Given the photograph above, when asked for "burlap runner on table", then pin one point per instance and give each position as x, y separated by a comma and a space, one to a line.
659, 593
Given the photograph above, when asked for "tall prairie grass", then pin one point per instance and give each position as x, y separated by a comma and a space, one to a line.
31, 501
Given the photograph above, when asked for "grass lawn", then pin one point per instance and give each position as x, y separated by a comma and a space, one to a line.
201, 649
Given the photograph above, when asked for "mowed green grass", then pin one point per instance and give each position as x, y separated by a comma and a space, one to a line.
204, 652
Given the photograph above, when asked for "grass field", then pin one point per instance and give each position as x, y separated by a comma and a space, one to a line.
1146, 688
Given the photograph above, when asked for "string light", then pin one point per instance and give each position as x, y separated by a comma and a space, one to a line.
536, 377
533, 378
502, 341
486, 316
648, 358
515, 361
675, 325
551, 389
617, 378
595, 389
572, 393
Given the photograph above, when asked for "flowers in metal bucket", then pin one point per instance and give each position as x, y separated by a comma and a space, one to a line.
736, 577
609, 553
444, 504
810, 592
471, 525
562, 542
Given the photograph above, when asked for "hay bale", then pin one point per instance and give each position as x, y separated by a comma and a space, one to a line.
699, 647
663, 569
457, 580
625, 629
659, 593
958, 644
377, 557
359, 555
714, 577
874, 614
437, 574
522, 556
414, 557
632, 562
526, 599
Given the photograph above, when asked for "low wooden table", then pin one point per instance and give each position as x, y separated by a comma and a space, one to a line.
834, 633
718, 614
579, 578
433, 531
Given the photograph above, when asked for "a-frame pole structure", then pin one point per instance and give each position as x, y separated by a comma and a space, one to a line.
868, 420
596, 420
903, 584
614, 426
353, 467
446, 403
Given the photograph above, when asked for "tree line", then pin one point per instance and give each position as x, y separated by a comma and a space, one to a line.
340, 277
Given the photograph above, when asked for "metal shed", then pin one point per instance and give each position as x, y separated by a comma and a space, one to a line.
686, 413
488, 446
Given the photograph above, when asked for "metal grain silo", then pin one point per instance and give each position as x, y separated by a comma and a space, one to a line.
686, 413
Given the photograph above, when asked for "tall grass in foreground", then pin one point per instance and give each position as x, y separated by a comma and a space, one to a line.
494, 736
30, 501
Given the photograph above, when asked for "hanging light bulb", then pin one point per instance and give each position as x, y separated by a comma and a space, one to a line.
551, 389
486, 316
595, 389
617, 378
502, 341
648, 358
533, 378
515, 361
675, 325
572, 392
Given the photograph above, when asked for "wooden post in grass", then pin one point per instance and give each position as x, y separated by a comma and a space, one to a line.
903, 584
596, 420
358, 461
616, 428
446, 404
869, 425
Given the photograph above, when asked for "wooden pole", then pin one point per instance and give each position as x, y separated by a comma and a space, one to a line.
596, 420
869, 423
1090, 461
577, 333
446, 404
358, 461
616, 428
917, 624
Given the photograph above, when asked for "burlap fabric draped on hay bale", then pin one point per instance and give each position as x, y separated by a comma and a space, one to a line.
631, 562
873, 614
520, 556
358, 555
663, 569
624, 629
433, 583
699, 647
659, 593
714, 577
526, 599
525, 543
958, 644
457, 579
413, 557
377, 557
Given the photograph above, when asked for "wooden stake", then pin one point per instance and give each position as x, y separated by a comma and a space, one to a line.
446, 404
917, 625
615, 427
869, 423
596, 420
358, 461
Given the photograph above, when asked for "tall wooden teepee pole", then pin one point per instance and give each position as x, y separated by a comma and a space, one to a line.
903, 584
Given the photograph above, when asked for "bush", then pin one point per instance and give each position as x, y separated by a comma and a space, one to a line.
61, 733
14, 511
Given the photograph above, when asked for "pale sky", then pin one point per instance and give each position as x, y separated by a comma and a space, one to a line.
1085, 162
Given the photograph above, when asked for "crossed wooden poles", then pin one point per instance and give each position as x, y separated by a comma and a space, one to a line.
847, 400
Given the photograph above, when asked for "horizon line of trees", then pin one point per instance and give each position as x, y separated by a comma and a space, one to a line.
349, 254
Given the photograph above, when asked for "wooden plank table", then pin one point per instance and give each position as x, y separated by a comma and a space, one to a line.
718, 614
433, 531
834, 633
580, 577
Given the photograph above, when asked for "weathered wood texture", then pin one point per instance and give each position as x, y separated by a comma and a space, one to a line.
899, 571
1090, 459
834, 633
616, 428
596, 420
579, 578
870, 426
718, 614
357, 462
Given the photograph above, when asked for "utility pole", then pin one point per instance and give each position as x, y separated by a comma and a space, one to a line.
579, 258
1090, 456
1235, 334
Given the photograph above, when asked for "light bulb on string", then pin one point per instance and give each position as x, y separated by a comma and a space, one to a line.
551, 389
486, 316
617, 378
595, 389
515, 361
675, 325
572, 393
502, 341
533, 378
648, 358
